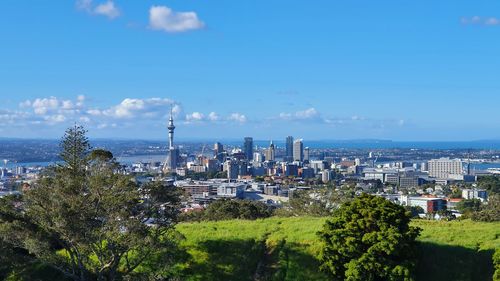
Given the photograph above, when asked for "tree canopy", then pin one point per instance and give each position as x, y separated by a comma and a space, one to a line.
490, 183
369, 238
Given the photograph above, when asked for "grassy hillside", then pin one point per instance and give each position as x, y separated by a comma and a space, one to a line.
286, 249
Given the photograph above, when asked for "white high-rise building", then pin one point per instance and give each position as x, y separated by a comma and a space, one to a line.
298, 150
443, 168
307, 154
326, 176
271, 152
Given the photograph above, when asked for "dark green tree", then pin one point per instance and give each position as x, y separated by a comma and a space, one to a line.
369, 239
469, 206
415, 211
92, 223
227, 209
490, 183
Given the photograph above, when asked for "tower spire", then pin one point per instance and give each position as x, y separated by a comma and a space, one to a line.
171, 128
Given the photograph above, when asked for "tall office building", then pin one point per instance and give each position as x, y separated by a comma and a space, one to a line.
445, 167
307, 154
248, 148
219, 151
289, 149
271, 152
298, 150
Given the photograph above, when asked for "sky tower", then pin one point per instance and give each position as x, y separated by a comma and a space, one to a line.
172, 152
171, 128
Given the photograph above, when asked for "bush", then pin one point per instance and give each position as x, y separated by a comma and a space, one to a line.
369, 238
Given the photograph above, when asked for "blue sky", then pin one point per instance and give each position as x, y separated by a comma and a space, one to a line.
401, 70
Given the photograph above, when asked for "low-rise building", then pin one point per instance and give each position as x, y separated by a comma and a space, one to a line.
480, 194
231, 190
430, 205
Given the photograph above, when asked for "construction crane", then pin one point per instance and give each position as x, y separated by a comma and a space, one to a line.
202, 154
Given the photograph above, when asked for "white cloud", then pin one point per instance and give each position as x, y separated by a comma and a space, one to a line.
130, 108
107, 9
195, 116
357, 118
492, 21
307, 114
94, 112
165, 19
477, 20
85, 119
238, 117
11, 117
85, 5
42, 106
212, 116
24, 104
67, 104
58, 118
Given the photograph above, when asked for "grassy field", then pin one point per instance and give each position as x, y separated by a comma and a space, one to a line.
286, 249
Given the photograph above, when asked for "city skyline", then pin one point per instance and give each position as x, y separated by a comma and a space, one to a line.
322, 71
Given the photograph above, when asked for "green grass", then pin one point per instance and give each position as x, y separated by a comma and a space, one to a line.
286, 249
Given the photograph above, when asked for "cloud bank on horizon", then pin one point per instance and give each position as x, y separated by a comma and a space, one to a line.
47, 114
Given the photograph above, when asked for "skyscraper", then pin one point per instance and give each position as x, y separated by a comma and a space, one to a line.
270, 152
248, 148
289, 149
219, 151
307, 154
298, 150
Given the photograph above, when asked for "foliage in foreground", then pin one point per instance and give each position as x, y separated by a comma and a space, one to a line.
496, 263
369, 238
91, 223
288, 248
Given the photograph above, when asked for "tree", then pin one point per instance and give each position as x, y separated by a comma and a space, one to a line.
489, 212
315, 202
468, 206
369, 238
415, 211
490, 183
92, 223
226, 209
11, 258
